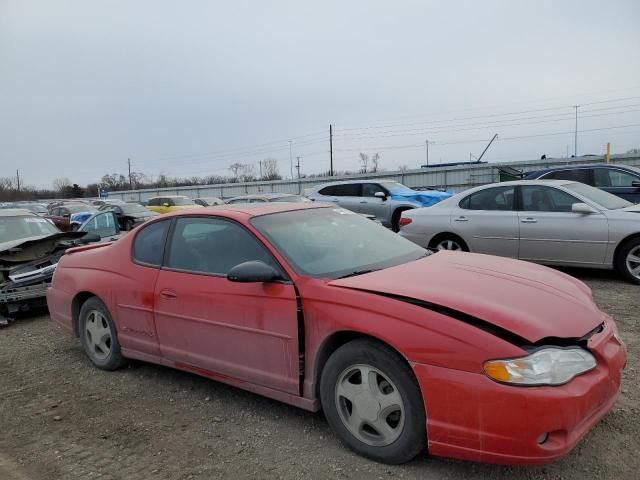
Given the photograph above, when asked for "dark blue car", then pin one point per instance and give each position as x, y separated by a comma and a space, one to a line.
620, 180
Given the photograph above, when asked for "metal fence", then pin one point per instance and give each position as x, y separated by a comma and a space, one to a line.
453, 178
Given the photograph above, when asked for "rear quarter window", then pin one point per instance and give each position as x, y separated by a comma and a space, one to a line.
148, 246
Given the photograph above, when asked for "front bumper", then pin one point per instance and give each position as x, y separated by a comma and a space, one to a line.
471, 417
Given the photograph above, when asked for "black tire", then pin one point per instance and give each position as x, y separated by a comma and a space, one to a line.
412, 435
449, 237
632, 245
93, 311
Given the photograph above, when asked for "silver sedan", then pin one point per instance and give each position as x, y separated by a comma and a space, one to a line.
553, 222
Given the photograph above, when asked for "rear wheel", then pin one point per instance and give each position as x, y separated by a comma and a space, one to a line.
98, 335
628, 260
373, 403
449, 242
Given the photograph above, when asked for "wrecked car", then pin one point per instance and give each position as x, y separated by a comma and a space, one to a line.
30, 248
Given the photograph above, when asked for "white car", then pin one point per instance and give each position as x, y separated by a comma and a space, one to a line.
553, 222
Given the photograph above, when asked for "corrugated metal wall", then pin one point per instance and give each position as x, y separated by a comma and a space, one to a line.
454, 178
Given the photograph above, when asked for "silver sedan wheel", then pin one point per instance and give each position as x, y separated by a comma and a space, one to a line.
633, 262
369, 405
449, 244
97, 335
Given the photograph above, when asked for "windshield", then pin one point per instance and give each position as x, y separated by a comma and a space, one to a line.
333, 242
34, 208
182, 201
602, 198
78, 208
16, 228
396, 188
134, 209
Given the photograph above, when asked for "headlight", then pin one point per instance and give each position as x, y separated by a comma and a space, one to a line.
546, 366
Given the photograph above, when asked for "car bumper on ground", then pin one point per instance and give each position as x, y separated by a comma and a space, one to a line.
471, 417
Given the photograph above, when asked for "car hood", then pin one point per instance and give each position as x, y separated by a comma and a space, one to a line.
424, 199
528, 300
32, 248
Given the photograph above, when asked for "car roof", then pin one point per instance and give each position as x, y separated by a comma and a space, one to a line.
583, 165
168, 196
249, 209
344, 182
16, 212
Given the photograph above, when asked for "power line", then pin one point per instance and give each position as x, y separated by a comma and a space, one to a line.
373, 127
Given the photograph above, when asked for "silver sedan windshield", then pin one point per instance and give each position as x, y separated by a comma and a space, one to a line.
602, 198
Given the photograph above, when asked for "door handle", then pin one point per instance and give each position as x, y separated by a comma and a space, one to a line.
168, 294
461, 219
363, 201
529, 220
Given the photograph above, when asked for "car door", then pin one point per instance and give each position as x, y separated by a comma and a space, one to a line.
135, 292
372, 205
487, 221
619, 182
551, 232
103, 224
247, 331
348, 195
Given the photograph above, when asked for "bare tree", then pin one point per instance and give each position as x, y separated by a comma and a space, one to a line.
364, 162
402, 168
375, 161
236, 168
270, 169
247, 173
60, 184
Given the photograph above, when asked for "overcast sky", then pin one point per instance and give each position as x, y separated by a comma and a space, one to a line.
189, 87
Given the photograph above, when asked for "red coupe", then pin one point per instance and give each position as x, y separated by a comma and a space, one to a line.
464, 355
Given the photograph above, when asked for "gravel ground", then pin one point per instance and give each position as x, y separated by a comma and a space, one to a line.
61, 418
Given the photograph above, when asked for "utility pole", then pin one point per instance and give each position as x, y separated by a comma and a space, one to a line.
130, 181
427, 144
290, 161
331, 150
575, 137
298, 167
260, 163
18, 177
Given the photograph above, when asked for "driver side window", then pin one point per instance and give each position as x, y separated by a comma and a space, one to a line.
370, 189
546, 199
213, 246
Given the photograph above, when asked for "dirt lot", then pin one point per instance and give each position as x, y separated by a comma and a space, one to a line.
61, 418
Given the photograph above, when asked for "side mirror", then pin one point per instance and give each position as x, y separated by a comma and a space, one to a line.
583, 208
253, 271
381, 195
90, 237
66, 215
635, 183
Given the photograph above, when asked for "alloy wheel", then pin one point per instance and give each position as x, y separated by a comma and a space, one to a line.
449, 244
98, 335
369, 405
633, 262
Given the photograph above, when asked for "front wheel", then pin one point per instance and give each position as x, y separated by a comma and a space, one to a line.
373, 403
628, 260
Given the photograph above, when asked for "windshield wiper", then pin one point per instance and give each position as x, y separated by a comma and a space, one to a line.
359, 272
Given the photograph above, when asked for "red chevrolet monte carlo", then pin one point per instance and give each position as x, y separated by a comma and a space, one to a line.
464, 355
